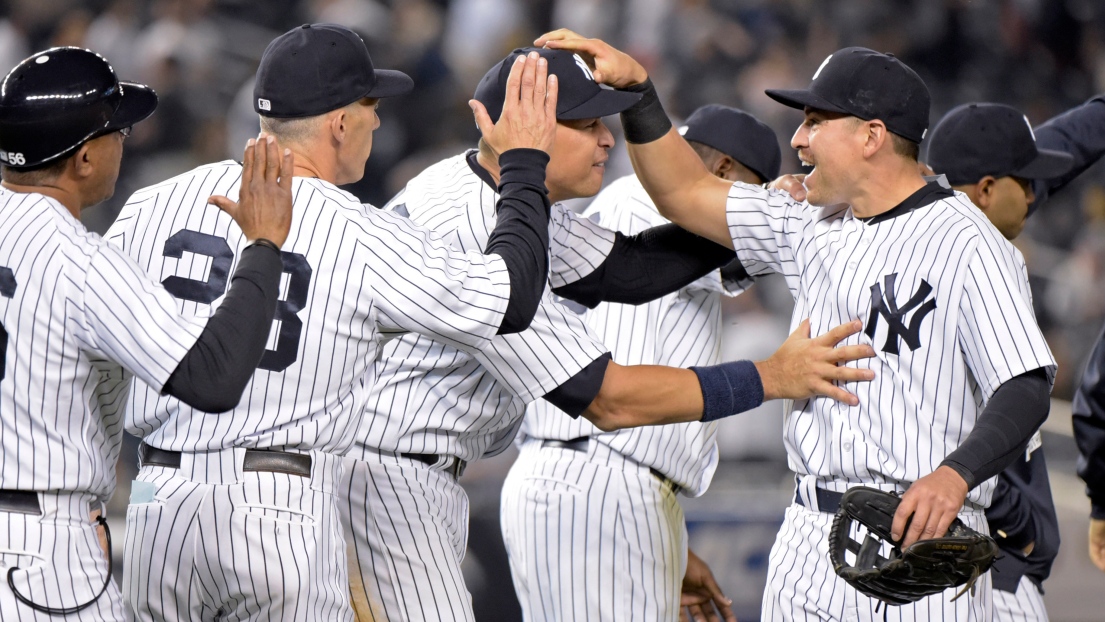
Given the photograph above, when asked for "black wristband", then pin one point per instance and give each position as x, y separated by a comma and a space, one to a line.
646, 120
265, 243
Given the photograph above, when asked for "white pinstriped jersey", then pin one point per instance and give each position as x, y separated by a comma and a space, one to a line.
953, 321
78, 318
680, 330
354, 274
433, 398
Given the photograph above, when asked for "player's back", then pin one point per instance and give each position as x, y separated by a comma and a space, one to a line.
63, 309
351, 273
435, 398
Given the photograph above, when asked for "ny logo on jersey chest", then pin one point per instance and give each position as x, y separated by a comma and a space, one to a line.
885, 305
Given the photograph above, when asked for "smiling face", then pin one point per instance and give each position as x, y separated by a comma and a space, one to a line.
832, 144
577, 160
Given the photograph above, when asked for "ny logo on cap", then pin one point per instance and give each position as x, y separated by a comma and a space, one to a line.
823, 63
583, 65
1026, 122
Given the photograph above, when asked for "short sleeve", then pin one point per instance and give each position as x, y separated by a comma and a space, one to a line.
129, 318
577, 246
764, 225
998, 333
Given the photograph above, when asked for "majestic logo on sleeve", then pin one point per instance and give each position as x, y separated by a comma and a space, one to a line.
886, 306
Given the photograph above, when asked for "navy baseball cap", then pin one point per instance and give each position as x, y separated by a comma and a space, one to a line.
976, 140
578, 95
317, 68
866, 84
738, 135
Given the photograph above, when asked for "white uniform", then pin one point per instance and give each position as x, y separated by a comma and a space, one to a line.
409, 520
948, 310
209, 539
78, 318
636, 537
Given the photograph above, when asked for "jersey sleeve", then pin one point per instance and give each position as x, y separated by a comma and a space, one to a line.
765, 226
577, 246
556, 346
997, 328
420, 284
129, 318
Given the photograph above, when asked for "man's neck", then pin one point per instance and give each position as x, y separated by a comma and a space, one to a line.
69, 200
883, 192
488, 163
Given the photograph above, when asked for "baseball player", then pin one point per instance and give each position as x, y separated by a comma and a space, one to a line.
646, 524
78, 319
235, 518
436, 408
960, 387
992, 154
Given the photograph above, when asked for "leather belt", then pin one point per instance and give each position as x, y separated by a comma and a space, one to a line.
267, 460
583, 443
20, 501
827, 500
455, 468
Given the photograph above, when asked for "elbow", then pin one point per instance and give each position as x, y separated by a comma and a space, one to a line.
606, 414
216, 398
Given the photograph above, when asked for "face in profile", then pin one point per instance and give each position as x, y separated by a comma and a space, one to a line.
361, 121
830, 143
577, 160
1008, 208
105, 154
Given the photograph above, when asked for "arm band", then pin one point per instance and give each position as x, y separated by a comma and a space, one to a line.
521, 234
646, 266
729, 389
215, 371
646, 120
1011, 417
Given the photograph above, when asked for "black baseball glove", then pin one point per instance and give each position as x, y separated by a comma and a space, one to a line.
926, 567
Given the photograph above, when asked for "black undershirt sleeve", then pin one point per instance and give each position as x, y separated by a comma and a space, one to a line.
653, 263
213, 374
1016, 410
521, 234
577, 392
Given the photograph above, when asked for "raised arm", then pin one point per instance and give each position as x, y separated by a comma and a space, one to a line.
1080, 132
673, 175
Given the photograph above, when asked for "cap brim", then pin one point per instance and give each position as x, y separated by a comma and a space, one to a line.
605, 103
803, 98
390, 83
1046, 165
139, 102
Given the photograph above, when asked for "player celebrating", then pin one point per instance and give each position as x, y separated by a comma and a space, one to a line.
991, 153
235, 517
436, 408
960, 388
633, 475
78, 319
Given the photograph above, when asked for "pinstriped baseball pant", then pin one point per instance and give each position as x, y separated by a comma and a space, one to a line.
215, 542
1026, 605
408, 529
592, 536
61, 563
801, 584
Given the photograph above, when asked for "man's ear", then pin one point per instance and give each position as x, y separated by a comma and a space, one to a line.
723, 166
876, 136
337, 125
84, 161
984, 192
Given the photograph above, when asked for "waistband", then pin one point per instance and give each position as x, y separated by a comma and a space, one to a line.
229, 465
584, 445
809, 493
442, 462
55, 505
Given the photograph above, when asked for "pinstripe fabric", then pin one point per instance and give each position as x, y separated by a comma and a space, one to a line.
355, 276
410, 525
433, 398
234, 545
924, 401
47, 549
580, 545
1026, 605
801, 584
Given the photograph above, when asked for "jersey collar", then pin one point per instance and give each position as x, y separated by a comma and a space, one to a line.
480, 171
926, 195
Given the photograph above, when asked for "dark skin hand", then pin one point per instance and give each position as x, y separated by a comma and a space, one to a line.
702, 599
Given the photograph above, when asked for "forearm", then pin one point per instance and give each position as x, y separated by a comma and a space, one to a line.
645, 395
215, 371
521, 234
647, 266
1001, 434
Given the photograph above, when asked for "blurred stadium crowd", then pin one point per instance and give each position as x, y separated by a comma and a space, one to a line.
1041, 56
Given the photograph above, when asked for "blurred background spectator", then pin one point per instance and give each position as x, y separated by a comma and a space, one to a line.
1042, 56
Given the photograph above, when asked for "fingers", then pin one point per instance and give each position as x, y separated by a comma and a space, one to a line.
550, 97
834, 392
559, 34
847, 354
514, 82
696, 613
247, 164
483, 120
840, 333
260, 163
684, 616
225, 204
272, 160
901, 517
287, 170
540, 83
529, 72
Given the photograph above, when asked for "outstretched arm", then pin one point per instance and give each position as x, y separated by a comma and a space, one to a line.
674, 176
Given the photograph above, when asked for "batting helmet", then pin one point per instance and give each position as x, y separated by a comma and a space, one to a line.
56, 100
